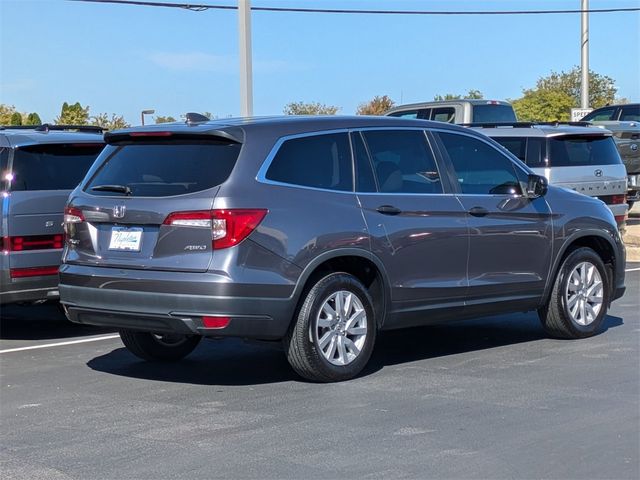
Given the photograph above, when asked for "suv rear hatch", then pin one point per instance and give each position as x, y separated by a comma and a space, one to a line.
39, 181
123, 215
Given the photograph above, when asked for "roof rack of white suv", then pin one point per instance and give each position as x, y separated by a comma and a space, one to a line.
526, 124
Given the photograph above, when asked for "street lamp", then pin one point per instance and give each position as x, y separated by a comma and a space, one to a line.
146, 112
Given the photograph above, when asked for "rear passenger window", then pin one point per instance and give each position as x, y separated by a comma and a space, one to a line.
630, 113
480, 168
403, 161
443, 115
318, 161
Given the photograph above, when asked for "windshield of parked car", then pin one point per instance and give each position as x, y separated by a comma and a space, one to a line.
51, 166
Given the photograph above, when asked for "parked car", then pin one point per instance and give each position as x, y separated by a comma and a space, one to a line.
39, 167
624, 122
457, 111
320, 231
573, 156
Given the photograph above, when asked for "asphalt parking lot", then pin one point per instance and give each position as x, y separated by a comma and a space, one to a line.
489, 398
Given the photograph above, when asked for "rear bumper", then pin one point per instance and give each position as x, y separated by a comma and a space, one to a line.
29, 289
170, 302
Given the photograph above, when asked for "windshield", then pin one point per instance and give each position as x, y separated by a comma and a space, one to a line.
52, 166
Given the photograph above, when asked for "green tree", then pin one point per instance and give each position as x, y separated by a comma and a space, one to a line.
376, 106
602, 89
113, 123
74, 114
311, 108
543, 106
33, 119
6, 111
161, 119
16, 119
471, 94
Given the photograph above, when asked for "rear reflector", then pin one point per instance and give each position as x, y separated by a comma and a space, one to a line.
33, 272
228, 227
73, 215
32, 242
618, 199
215, 322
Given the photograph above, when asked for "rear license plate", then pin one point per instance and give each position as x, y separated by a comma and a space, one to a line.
126, 239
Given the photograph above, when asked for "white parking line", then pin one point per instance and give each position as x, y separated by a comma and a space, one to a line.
59, 344
633, 269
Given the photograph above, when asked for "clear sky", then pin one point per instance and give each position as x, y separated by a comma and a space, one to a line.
123, 59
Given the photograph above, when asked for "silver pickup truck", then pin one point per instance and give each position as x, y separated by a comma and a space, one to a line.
624, 122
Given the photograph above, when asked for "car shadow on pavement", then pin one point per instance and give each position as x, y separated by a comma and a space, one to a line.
41, 322
235, 362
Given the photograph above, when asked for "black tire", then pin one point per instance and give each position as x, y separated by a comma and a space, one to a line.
555, 316
301, 343
165, 348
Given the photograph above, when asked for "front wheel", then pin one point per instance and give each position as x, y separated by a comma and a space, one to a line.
159, 347
580, 297
334, 332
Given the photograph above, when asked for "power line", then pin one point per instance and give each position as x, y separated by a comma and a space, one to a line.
202, 7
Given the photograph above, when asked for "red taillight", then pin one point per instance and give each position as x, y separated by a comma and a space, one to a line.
73, 215
621, 218
32, 242
215, 322
33, 272
150, 134
618, 199
228, 227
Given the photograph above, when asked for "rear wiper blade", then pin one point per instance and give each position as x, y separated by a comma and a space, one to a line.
112, 188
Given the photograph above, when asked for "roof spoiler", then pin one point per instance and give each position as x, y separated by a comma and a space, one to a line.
46, 127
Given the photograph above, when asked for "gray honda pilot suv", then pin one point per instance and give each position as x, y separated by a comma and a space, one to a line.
321, 231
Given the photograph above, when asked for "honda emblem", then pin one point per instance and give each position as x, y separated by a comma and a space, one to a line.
119, 211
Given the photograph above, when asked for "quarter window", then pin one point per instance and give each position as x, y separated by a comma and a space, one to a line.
480, 168
403, 161
443, 114
318, 161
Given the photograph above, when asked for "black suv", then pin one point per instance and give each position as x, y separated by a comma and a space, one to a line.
320, 231
39, 167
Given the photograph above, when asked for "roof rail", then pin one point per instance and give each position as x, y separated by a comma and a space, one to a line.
526, 124
46, 127
18, 127
193, 117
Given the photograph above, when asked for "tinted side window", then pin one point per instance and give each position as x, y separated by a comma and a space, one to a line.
600, 115
443, 114
582, 151
516, 145
527, 149
365, 181
403, 161
480, 168
630, 113
52, 166
164, 169
405, 114
319, 161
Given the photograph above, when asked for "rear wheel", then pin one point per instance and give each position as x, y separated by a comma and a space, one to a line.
159, 347
333, 336
580, 297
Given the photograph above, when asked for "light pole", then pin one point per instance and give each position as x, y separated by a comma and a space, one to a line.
146, 112
584, 64
246, 83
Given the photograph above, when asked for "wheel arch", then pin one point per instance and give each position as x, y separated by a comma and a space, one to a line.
362, 264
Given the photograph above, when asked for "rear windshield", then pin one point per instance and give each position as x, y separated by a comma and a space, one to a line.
164, 169
582, 151
52, 166
491, 113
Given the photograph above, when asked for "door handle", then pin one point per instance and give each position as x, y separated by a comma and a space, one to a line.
388, 210
478, 212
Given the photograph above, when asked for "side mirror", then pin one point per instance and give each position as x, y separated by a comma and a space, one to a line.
537, 186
